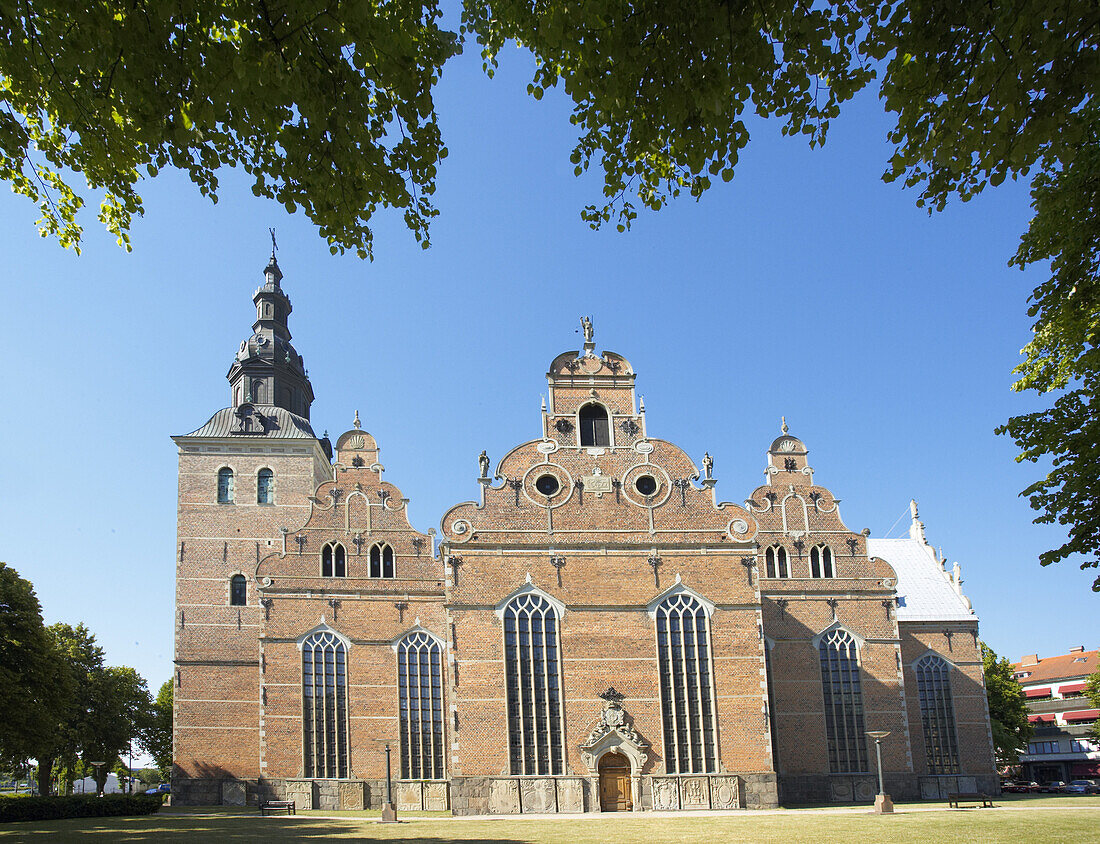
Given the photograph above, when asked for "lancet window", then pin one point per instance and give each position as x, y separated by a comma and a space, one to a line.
775, 562
325, 706
381, 560
843, 699
937, 715
334, 560
821, 561
420, 704
532, 686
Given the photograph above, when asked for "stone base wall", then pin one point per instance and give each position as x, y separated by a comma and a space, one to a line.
862, 788
345, 795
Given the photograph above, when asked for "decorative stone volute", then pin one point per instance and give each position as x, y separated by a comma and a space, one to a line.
614, 733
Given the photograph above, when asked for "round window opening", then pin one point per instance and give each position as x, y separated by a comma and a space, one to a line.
547, 485
646, 485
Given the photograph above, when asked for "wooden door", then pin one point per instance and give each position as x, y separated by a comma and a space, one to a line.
615, 784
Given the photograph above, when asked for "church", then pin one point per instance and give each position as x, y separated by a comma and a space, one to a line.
594, 631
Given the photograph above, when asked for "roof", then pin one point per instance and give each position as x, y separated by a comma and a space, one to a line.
266, 421
925, 589
1061, 667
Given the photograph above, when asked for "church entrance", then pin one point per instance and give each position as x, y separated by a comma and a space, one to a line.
615, 783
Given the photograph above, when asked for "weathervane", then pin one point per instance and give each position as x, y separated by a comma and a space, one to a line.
274, 245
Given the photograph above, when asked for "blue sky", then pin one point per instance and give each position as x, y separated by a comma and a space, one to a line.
806, 287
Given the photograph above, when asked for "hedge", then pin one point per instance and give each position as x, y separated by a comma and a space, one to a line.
78, 806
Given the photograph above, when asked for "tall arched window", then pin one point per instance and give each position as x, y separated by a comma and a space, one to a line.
775, 559
381, 560
238, 591
420, 704
258, 391
937, 714
595, 429
821, 561
225, 485
334, 560
265, 487
683, 658
843, 702
325, 706
532, 685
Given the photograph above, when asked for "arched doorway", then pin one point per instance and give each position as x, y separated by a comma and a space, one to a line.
615, 783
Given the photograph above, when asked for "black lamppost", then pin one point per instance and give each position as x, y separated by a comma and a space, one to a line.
389, 809
97, 766
883, 804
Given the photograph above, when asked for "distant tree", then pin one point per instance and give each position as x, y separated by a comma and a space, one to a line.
1007, 708
119, 709
1092, 690
156, 737
149, 776
32, 682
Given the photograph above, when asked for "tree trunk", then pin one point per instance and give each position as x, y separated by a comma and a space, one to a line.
45, 776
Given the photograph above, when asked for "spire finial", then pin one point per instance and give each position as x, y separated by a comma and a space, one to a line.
272, 272
356, 422
274, 245
783, 424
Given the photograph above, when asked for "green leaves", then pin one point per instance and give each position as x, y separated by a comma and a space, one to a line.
1007, 708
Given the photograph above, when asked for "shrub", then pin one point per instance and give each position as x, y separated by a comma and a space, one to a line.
78, 806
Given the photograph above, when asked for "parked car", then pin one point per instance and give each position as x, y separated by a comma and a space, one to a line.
1082, 787
163, 788
1053, 787
1016, 787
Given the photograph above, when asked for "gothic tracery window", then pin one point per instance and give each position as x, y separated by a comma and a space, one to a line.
225, 485
334, 560
595, 427
843, 699
937, 714
532, 686
775, 560
381, 560
324, 706
420, 704
821, 561
683, 659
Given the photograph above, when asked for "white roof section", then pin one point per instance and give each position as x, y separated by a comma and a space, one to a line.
927, 591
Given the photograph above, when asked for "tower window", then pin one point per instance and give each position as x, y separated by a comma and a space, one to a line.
775, 562
420, 704
532, 689
265, 487
238, 591
381, 561
225, 485
821, 561
595, 429
258, 391
334, 561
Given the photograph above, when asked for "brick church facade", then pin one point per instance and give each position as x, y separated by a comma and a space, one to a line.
597, 631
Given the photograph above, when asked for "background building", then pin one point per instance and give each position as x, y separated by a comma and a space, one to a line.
1061, 716
596, 630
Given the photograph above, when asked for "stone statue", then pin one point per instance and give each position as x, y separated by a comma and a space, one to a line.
586, 327
708, 466
483, 462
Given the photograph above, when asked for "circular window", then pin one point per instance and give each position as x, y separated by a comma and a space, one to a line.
646, 485
547, 485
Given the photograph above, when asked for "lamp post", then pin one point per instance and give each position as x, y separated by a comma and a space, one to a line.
97, 766
389, 809
883, 804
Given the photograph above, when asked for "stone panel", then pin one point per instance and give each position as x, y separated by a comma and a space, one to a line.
233, 793
695, 793
353, 796
503, 797
666, 794
408, 796
538, 795
929, 788
435, 797
725, 793
301, 792
570, 794
840, 790
865, 789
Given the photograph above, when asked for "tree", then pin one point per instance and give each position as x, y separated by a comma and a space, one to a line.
29, 672
118, 710
156, 737
1092, 691
1007, 708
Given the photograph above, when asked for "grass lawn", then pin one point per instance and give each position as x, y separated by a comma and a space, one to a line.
1019, 822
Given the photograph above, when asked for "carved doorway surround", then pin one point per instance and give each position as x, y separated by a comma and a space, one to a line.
615, 786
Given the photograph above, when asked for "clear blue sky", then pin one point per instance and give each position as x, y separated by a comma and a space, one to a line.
806, 287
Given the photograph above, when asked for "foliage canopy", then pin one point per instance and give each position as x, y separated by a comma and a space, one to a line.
1007, 708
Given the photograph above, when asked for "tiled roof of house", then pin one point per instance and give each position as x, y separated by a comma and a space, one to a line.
1061, 667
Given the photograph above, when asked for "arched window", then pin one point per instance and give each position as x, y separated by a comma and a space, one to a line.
821, 561
775, 559
225, 485
258, 391
843, 702
532, 685
595, 429
937, 715
420, 703
265, 487
238, 591
333, 560
381, 560
683, 658
325, 706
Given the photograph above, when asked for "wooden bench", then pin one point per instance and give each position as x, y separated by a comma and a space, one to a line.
953, 800
277, 806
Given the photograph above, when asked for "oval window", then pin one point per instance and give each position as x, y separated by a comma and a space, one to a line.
547, 485
646, 485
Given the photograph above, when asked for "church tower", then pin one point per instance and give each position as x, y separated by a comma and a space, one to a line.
245, 480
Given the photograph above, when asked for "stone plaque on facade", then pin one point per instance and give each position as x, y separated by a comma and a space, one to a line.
929, 788
233, 793
865, 789
694, 793
537, 795
301, 792
666, 794
435, 797
352, 796
967, 785
503, 797
840, 790
407, 796
597, 483
726, 794
570, 795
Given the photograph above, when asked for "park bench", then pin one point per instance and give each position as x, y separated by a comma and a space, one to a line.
277, 806
953, 800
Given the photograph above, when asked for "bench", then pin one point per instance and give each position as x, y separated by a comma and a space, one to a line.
277, 806
953, 800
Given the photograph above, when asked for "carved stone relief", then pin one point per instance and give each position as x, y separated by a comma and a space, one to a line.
695, 793
436, 797
503, 797
570, 794
301, 792
725, 793
666, 794
537, 795
865, 789
407, 796
352, 796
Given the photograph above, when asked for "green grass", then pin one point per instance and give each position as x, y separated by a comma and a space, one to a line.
1019, 822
